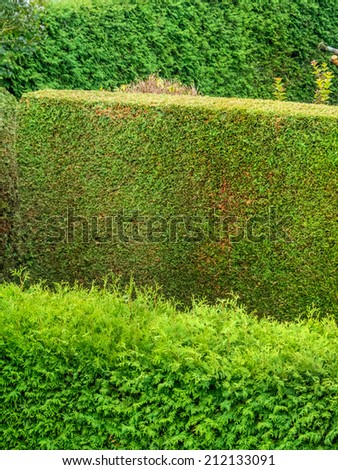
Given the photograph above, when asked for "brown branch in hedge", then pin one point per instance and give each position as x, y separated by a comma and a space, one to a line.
334, 59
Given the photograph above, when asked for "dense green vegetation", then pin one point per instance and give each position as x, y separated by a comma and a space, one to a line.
212, 202
204, 196
98, 370
225, 47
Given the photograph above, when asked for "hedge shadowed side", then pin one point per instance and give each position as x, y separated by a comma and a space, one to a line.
204, 196
97, 370
8, 183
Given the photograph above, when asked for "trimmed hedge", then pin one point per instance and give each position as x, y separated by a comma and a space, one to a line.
97, 370
8, 181
227, 48
169, 168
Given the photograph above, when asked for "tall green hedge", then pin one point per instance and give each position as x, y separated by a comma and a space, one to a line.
101, 371
204, 196
226, 47
8, 181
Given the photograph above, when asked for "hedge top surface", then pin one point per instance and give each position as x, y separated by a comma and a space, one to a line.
204, 102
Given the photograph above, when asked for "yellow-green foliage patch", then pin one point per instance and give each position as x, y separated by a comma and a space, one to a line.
110, 369
205, 196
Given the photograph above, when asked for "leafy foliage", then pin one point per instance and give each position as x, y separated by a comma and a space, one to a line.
324, 79
226, 48
98, 370
280, 90
248, 188
20, 31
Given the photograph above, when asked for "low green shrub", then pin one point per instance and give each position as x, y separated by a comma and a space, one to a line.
155, 84
205, 196
110, 370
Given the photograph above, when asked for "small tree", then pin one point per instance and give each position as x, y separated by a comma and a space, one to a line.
323, 81
280, 90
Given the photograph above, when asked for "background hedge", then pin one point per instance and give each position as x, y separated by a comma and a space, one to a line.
145, 157
100, 371
8, 181
227, 48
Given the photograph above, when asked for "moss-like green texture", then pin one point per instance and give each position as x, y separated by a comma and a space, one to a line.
205, 196
98, 370
227, 48
8, 180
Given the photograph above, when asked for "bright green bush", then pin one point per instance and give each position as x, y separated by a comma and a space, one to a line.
264, 167
97, 370
226, 48
8, 176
